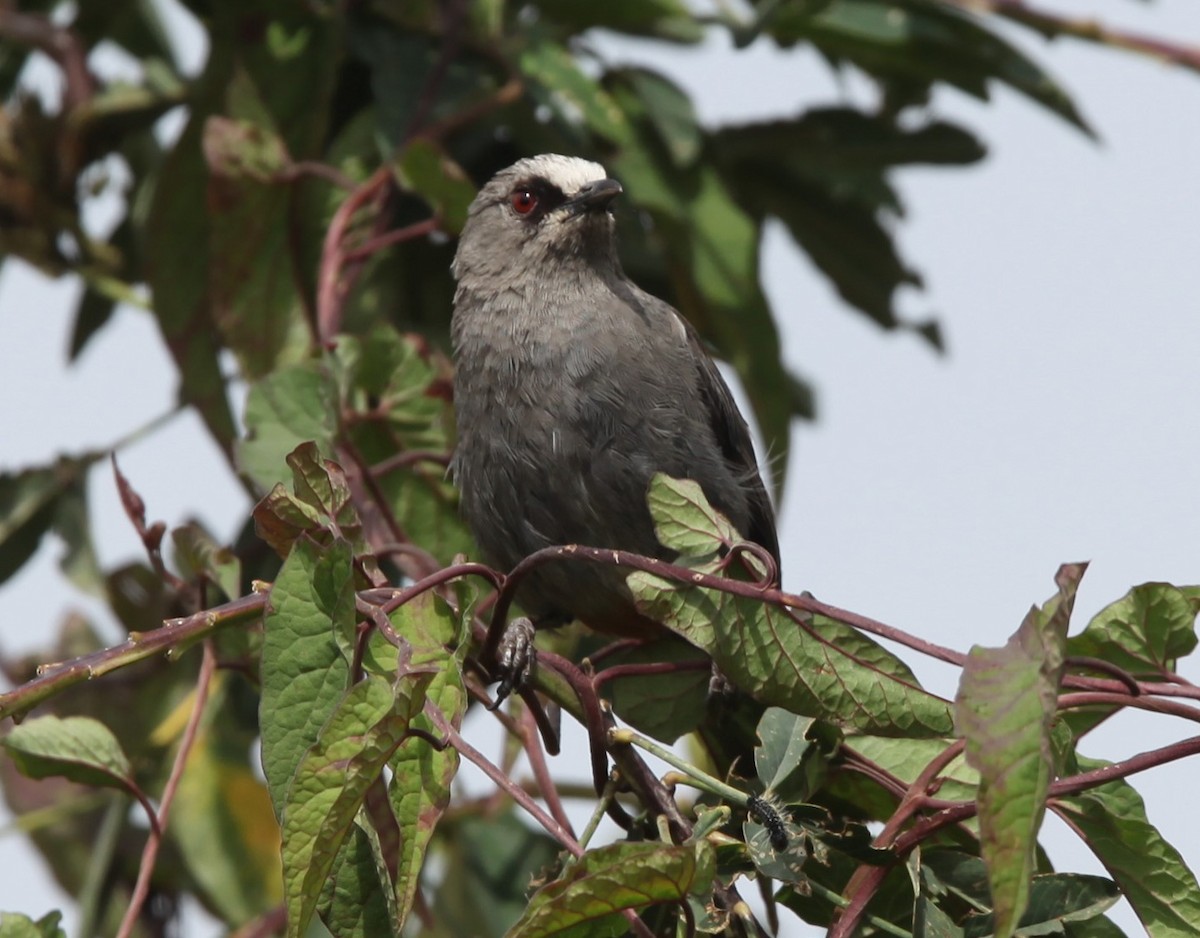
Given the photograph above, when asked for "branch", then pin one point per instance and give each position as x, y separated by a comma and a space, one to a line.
150, 852
1052, 25
174, 634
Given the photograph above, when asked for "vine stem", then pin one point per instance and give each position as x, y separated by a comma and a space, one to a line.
699, 778
208, 667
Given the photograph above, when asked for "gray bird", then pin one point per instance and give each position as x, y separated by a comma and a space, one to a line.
572, 388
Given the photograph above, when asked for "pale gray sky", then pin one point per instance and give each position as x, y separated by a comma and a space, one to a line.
936, 494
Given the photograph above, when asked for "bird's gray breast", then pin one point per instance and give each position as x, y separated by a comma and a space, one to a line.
566, 407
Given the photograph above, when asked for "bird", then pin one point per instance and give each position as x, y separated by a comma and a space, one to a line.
573, 387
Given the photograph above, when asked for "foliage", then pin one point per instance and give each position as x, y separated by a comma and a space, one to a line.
301, 225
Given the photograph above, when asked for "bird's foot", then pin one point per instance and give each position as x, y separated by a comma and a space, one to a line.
514, 658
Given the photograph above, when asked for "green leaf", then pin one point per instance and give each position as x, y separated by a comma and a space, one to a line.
354, 901
810, 666
303, 672
330, 783
1006, 702
905, 759
1055, 899
32, 502
399, 391
785, 866
791, 756
78, 748
16, 925
1152, 874
668, 705
922, 41
667, 109
93, 312
556, 80
427, 170
489, 863
256, 303
929, 921
684, 521
174, 241
290, 407
824, 175
199, 555
422, 775
1145, 632
670, 20
223, 824
603, 882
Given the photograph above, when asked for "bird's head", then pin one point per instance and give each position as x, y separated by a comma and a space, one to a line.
541, 211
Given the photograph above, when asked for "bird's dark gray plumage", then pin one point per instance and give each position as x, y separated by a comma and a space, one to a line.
572, 388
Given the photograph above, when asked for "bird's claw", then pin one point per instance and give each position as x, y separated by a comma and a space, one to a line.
514, 658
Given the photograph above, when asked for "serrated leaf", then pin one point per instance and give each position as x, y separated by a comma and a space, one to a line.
321, 508
78, 748
292, 406
331, 781
1006, 702
1153, 876
605, 881
1145, 632
303, 671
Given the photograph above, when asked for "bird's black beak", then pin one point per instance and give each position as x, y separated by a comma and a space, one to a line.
595, 196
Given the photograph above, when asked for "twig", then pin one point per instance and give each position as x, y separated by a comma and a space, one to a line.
454, 19
333, 281
866, 880
559, 832
208, 666
1091, 699
692, 577
397, 236
1051, 25
531, 741
508, 93
57, 42
175, 633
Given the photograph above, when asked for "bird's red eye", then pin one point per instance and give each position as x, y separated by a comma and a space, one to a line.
523, 201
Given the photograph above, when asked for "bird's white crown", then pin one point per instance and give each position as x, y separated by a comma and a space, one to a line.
569, 173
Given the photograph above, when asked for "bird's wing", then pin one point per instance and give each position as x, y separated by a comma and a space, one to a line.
733, 436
